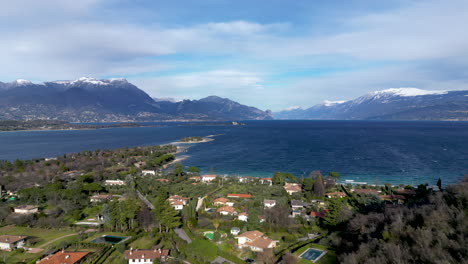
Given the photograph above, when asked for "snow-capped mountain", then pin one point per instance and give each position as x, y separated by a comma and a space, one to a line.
106, 100
391, 104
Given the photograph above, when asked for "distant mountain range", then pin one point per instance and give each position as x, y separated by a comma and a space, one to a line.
112, 100
391, 104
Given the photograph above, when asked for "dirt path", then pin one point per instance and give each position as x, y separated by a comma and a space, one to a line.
54, 240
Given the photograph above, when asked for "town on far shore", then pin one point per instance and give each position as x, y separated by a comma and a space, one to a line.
137, 205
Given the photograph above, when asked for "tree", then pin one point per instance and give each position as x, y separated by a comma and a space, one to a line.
170, 217
216, 223
334, 211
193, 169
439, 184
319, 187
334, 174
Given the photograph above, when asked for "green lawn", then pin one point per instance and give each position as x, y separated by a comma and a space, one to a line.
43, 235
142, 243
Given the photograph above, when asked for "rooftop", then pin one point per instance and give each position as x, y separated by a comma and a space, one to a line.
63, 257
11, 239
146, 253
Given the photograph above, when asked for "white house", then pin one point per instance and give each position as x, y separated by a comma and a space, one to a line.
235, 231
26, 209
268, 181
148, 172
178, 201
292, 188
269, 203
143, 256
208, 178
114, 182
226, 210
9, 243
243, 217
255, 240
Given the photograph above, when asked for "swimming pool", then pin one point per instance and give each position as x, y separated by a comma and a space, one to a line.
312, 254
109, 239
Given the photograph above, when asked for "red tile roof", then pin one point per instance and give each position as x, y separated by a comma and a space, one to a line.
146, 253
228, 209
235, 195
11, 239
63, 257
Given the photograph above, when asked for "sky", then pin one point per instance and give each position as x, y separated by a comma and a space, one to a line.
272, 54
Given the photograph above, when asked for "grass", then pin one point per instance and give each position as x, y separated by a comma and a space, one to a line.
44, 235
142, 243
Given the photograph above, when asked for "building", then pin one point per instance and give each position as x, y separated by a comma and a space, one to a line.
237, 195
178, 201
335, 195
255, 240
243, 217
393, 198
268, 181
64, 257
162, 180
139, 164
406, 191
145, 256
99, 198
235, 231
269, 203
26, 209
114, 183
220, 201
226, 210
148, 172
292, 188
9, 243
208, 178
245, 179
195, 178
298, 204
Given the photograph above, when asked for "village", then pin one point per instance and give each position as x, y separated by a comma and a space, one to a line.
130, 206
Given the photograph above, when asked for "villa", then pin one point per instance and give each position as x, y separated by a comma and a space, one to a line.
292, 188
220, 201
26, 209
335, 195
208, 178
114, 182
98, 198
255, 240
226, 210
9, 243
178, 201
195, 178
148, 172
268, 181
366, 191
145, 256
64, 257
243, 217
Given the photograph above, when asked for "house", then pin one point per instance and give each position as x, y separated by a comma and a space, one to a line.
298, 204
317, 214
195, 178
148, 172
220, 201
318, 202
296, 212
98, 198
226, 210
178, 201
268, 181
245, 179
335, 195
243, 217
9, 243
114, 182
394, 198
292, 188
235, 231
269, 203
26, 209
208, 178
64, 257
237, 195
146, 256
255, 240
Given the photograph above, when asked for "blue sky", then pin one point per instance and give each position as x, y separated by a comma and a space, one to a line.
272, 54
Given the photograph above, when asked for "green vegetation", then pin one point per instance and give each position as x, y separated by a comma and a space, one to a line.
191, 139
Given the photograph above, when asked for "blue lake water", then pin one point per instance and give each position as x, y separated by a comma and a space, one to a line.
371, 151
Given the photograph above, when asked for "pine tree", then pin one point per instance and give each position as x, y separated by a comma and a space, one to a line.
319, 187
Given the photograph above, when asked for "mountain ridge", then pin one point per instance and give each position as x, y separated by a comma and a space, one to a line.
110, 100
390, 104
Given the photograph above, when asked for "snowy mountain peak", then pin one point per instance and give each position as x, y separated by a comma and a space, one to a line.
291, 108
22, 82
332, 103
407, 92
